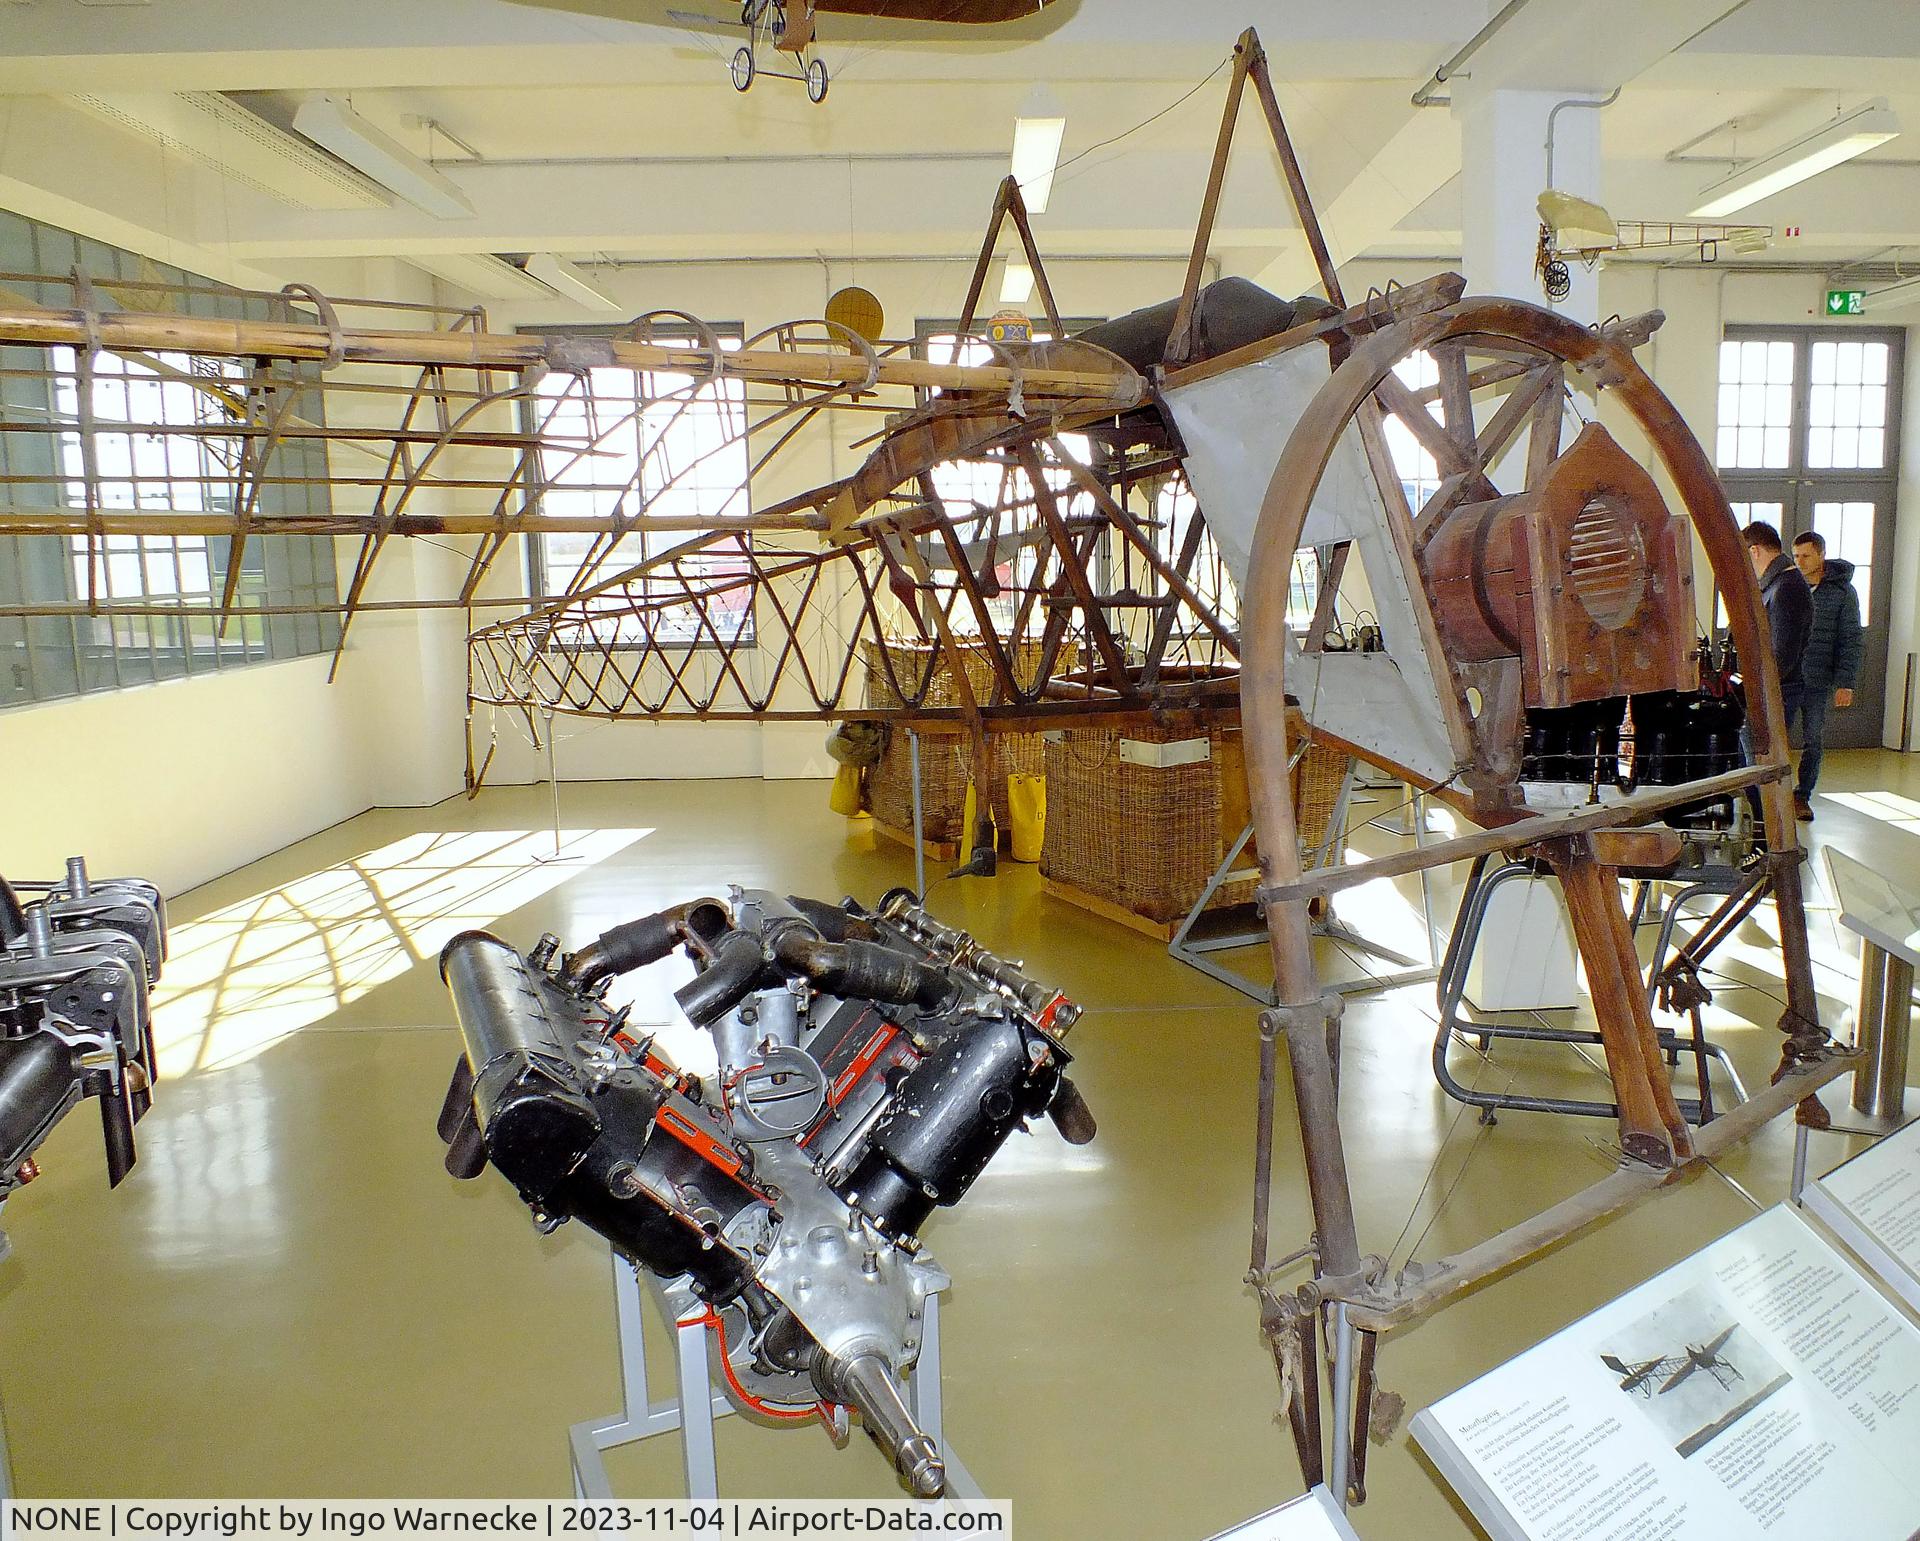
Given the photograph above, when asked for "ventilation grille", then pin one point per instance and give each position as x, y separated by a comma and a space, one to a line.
1606, 563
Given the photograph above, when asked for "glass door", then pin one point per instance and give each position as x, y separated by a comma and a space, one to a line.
1807, 441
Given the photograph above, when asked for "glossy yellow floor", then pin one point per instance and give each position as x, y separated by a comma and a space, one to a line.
290, 1297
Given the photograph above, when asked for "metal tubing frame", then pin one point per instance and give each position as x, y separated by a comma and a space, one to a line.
642, 1418
1194, 953
1883, 1028
1451, 991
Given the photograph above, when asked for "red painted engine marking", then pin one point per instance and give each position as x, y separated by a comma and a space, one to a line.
862, 1063
699, 1142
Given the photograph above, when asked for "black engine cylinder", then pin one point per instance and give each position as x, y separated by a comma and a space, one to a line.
952, 1112
38, 1076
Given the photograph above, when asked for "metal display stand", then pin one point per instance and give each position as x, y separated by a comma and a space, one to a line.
1474, 901
1885, 1020
1193, 951
642, 1418
1312, 1516
1885, 918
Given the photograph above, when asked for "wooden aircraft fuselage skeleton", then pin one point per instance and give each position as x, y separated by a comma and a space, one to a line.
1132, 633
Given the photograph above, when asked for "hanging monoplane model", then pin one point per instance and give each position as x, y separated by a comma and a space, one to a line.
790, 27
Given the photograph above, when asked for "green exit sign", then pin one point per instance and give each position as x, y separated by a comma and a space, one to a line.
1846, 302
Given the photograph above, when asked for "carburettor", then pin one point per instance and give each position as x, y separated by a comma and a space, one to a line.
869, 1065
78, 957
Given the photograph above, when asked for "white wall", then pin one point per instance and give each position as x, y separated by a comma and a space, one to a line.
181, 781
184, 780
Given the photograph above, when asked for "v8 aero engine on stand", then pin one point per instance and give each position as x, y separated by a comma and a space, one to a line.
869, 1066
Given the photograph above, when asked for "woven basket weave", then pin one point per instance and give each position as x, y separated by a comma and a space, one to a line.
1147, 837
944, 757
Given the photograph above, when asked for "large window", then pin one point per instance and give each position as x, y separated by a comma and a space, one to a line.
619, 443
1419, 472
1805, 440
136, 460
1017, 542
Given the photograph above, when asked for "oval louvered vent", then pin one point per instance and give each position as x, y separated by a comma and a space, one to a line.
1606, 563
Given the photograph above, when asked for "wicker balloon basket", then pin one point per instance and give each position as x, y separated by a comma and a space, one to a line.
1139, 819
944, 757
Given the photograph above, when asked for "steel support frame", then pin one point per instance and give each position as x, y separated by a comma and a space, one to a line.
1195, 951
641, 1417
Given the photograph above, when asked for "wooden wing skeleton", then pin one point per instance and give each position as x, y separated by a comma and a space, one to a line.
1062, 582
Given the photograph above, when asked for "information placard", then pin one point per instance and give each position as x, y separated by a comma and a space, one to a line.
1313, 1516
1872, 1203
1761, 1388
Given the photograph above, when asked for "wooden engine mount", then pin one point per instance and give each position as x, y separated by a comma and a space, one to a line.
1586, 579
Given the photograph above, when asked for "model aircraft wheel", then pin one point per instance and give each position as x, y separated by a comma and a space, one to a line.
817, 81
742, 68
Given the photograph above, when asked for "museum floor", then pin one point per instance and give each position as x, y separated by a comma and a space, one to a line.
289, 1296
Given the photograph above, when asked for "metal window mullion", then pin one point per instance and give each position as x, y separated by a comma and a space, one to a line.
89, 469
35, 691
534, 458
1800, 420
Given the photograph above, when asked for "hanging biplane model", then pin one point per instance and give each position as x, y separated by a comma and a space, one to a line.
1097, 527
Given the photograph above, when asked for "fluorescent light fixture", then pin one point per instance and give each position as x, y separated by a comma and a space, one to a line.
482, 274
337, 128
1037, 133
1894, 296
1016, 287
1852, 134
568, 281
228, 138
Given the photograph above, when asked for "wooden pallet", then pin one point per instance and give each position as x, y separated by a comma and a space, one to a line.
935, 850
1106, 909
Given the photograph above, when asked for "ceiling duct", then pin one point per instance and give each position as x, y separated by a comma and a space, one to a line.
223, 137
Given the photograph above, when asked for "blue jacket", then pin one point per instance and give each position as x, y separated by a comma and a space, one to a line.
1832, 659
1789, 615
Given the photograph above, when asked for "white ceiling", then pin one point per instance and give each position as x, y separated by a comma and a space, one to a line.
607, 130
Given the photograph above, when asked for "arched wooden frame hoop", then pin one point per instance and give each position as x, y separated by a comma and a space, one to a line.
1345, 1281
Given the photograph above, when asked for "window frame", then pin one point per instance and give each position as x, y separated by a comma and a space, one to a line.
60, 657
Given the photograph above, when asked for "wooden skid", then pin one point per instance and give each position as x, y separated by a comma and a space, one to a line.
933, 850
1106, 909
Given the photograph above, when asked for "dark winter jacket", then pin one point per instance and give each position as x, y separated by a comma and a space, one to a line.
1833, 647
1789, 605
